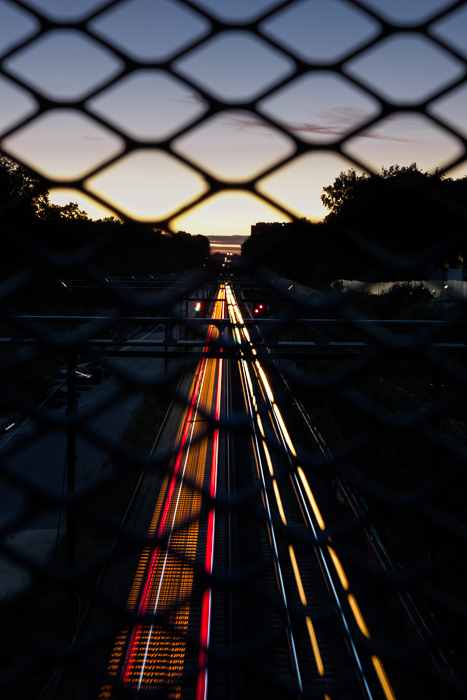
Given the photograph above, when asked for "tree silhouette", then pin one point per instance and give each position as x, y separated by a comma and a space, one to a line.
396, 223
342, 191
348, 185
393, 226
21, 191
54, 212
33, 230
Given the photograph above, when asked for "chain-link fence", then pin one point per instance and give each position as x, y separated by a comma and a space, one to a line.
163, 112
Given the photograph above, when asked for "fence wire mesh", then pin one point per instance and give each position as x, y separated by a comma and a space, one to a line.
101, 348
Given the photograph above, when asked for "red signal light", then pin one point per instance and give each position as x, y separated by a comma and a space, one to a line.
198, 307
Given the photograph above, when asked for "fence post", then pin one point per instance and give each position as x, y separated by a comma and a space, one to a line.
435, 451
71, 468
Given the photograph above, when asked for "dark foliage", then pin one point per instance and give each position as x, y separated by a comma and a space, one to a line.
399, 225
61, 238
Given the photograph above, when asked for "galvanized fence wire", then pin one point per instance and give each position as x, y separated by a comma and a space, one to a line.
366, 388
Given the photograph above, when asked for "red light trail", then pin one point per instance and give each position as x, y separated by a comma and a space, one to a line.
153, 654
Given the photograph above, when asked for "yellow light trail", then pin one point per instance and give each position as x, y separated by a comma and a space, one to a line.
382, 677
279, 502
283, 429
358, 616
339, 568
248, 378
260, 425
298, 578
268, 458
266, 386
311, 498
309, 624
315, 647
268, 391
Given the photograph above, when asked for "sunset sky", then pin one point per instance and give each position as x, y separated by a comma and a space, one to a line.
79, 127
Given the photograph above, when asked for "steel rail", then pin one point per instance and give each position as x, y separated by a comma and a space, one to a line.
246, 382
300, 485
303, 503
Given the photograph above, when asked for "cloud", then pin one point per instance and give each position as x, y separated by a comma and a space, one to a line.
337, 122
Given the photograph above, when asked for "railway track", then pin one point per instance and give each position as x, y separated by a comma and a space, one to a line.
281, 619
321, 617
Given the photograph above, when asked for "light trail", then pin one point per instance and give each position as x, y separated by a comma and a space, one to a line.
315, 647
339, 568
152, 655
298, 578
202, 684
279, 501
311, 499
383, 679
252, 411
358, 615
304, 488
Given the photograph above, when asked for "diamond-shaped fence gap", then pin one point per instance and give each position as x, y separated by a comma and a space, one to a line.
64, 65
148, 185
451, 109
406, 68
407, 12
148, 105
458, 171
63, 144
298, 185
17, 104
402, 138
235, 66
16, 25
234, 145
66, 10
321, 31
86, 203
452, 29
320, 107
235, 209
150, 30
237, 12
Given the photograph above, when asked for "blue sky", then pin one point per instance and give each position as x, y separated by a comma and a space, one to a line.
81, 130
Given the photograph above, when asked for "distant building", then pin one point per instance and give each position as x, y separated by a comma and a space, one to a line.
263, 227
